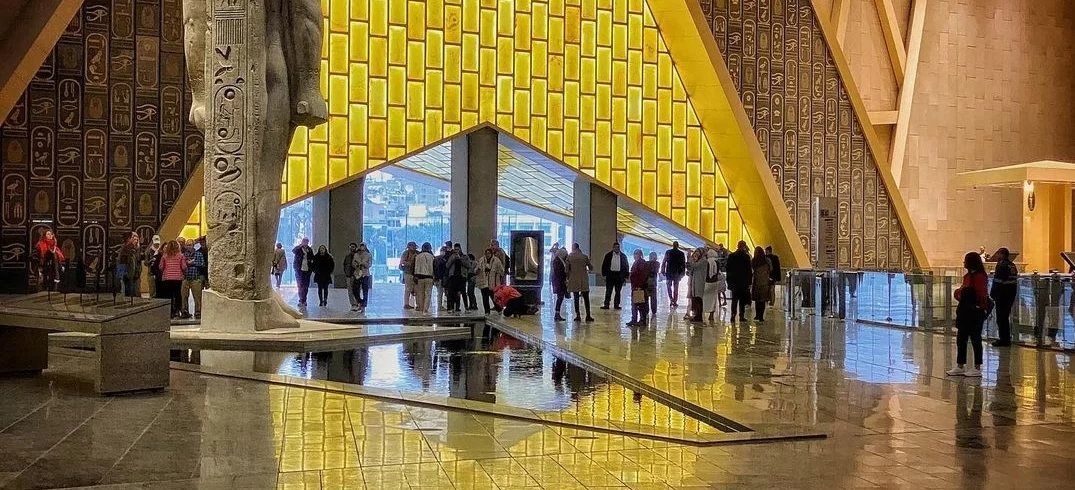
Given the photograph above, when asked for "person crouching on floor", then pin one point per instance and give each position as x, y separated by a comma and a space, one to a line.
511, 300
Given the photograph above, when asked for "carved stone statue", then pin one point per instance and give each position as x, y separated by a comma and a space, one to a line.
254, 73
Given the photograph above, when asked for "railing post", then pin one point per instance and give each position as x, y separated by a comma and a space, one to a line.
817, 294
947, 302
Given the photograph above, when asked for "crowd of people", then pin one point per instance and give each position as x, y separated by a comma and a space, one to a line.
457, 277
711, 274
452, 279
178, 270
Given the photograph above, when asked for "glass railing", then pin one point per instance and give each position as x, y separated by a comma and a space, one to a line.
1043, 314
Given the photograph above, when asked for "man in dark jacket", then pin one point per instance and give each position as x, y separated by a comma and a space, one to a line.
615, 269
1005, 290
673, 266
740, 276
303, 266
774, 275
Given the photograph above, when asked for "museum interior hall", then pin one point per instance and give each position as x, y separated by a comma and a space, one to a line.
540, 244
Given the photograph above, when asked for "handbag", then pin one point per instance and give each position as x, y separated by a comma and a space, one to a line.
638, 295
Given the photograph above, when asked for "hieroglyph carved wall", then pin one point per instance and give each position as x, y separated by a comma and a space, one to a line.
794, 96
98, 145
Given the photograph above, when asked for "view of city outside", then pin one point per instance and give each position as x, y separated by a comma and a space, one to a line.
398, 210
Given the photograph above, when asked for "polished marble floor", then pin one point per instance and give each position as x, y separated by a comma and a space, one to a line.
892, 418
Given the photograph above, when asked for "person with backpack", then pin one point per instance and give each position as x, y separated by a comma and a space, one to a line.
410, 285
128, 267
972, 309
711, 293
639, 277
349, 273
279, 263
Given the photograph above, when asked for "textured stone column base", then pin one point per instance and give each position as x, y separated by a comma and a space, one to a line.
223, 314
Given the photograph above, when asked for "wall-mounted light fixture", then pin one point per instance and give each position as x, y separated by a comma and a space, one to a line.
1028, 190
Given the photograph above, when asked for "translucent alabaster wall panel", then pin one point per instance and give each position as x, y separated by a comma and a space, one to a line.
590, 83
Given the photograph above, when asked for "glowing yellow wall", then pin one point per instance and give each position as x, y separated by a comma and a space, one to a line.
590, 83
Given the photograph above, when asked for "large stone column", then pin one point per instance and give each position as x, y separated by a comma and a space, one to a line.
343, 222
474, 189
345, 215
261, 81
594, 223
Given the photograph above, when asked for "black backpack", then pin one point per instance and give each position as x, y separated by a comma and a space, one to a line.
711, 274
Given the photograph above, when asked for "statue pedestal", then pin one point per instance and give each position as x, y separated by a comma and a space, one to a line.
223, 314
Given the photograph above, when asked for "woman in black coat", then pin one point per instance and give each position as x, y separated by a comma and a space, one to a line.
324, 265
558, 278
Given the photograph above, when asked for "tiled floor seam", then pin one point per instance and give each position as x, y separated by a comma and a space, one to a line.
301, 383
664, 397
135, 441
64, 438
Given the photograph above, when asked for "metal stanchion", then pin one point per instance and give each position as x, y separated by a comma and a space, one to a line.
947, 303
817, 294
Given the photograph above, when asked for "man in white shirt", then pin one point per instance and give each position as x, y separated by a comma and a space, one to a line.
615, 269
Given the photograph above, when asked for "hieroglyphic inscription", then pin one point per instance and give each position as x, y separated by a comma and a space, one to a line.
226, 184
791, 89
96, 145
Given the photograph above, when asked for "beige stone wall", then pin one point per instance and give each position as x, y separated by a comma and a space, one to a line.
995, 87
867, 54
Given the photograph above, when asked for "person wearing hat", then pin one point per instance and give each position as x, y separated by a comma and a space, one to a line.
151, 261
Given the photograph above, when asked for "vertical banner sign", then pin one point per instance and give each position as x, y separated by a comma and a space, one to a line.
824, 239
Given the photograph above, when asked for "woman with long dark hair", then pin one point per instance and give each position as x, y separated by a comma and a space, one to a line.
173, 265
973, 306
760, 285
324, 266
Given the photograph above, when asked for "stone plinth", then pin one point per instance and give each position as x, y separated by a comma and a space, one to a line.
227, 315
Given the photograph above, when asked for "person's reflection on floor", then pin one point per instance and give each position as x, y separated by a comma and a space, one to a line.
1003, 405
970, 445
643, 352
702, 370
1047, 293
735, 376
558, 373
419, 357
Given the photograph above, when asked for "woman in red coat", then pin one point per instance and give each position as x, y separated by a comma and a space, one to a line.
639, 284
49, 261
973, 298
